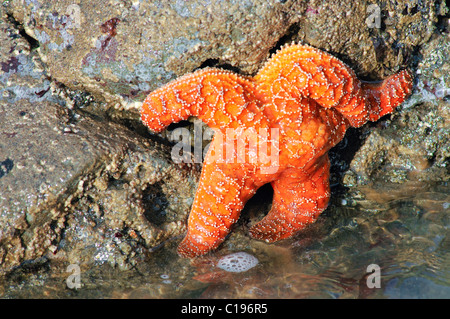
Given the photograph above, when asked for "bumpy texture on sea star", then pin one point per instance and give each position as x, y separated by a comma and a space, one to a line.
310, 96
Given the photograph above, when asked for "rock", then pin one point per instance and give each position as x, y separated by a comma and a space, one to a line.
433, 72
374, 38
415, 145
73, 187
121, 50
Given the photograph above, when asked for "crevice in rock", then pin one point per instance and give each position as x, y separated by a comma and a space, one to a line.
27, 267
156, 203
341, 156
34, 44
287, 38
443, 23
217, 63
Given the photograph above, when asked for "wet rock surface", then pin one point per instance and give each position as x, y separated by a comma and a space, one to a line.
82, 182
415, 143
74, 187
375, 37
122, 50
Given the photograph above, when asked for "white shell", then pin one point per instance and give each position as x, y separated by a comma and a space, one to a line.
237, 262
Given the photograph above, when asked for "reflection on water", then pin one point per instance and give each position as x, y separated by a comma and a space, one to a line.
404, 230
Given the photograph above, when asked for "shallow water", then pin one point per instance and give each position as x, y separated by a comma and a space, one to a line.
401, 230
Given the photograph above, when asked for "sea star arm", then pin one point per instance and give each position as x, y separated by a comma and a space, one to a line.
222, 193
384, 96
302, 71
298, 200
218, 97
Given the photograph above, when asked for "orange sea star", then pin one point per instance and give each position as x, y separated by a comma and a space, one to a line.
309, 97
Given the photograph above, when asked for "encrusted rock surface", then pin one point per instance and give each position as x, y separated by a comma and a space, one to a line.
69, 182
415, 145
375, 37
122, 50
